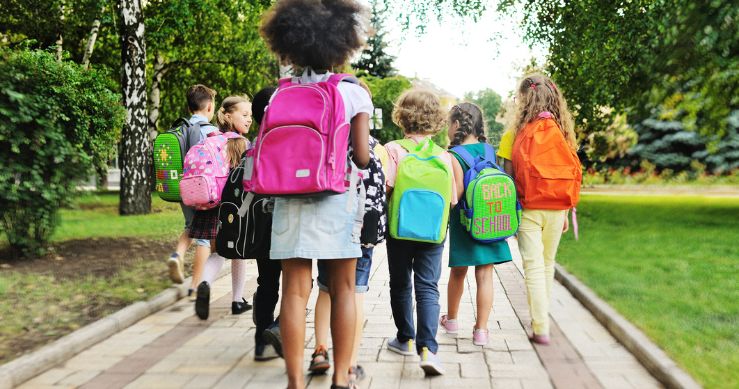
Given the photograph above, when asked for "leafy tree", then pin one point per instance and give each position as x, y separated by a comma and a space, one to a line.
375, 60
384, 93
638, 56
417, 13
57, 121
490, 102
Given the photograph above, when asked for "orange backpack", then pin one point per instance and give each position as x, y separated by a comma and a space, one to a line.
547, 172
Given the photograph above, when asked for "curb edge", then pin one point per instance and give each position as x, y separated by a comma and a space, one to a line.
661, 366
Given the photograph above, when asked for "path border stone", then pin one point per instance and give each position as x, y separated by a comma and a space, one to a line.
30, 365
662, 367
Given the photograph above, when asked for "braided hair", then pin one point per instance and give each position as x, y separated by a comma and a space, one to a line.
471, 122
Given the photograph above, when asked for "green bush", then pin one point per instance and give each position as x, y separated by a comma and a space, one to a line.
384, 93
57, 121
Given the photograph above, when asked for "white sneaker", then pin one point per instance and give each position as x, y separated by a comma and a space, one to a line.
176, 268
402, 348
430, 363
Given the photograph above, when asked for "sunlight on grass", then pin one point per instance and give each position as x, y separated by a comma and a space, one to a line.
670, 265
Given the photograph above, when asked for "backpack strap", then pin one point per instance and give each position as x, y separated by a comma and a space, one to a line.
286, 81
465, 155
408, 144
489, 152
335, 79
545, 115
231, 135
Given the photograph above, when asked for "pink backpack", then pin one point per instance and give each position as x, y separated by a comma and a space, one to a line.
302, 144
205, 171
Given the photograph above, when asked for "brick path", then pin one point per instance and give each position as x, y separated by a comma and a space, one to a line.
173, 349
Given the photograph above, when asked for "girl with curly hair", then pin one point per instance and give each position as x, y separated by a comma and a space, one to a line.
418, 112
467, 129
317, 36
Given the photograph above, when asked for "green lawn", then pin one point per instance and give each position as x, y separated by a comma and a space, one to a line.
102, 262
669, 264
95, 215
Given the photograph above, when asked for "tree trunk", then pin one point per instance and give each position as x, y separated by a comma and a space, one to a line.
160, 69
90, 46
60, 36
135, 158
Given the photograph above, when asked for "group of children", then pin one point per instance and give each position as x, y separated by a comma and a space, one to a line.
317, 36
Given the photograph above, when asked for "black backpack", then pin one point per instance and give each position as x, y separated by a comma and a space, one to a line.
244, 220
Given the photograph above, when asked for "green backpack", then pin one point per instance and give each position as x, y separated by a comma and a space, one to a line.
419, 207
170, 148
489, 210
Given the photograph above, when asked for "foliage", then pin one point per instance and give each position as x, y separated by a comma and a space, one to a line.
384, 93
490, 102
668, 264
375, 60
603, 54
417, 13
611, 143
213, 42
646, 174
57, 121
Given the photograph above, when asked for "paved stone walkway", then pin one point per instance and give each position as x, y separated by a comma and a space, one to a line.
173, 349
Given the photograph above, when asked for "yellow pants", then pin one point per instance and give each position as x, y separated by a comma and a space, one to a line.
538, 238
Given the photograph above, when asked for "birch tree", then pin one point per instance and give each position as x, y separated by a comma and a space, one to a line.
135, 156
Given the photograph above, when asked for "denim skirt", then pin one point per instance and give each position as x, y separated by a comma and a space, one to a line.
322, 227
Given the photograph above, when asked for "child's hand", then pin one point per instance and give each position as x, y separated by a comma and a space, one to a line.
566, 227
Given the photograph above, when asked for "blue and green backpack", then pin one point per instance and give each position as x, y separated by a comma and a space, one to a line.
419, 205
489, 209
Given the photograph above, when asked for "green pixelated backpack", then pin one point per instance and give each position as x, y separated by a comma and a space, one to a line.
170, 148
419, 206
489, 209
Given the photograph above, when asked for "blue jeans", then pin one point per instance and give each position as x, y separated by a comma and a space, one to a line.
424, 261
364, 265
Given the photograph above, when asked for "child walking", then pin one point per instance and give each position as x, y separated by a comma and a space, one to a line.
317, 36
201, 104
418, 112
374, 228
268, 281
233, 116
547, 172
467, 129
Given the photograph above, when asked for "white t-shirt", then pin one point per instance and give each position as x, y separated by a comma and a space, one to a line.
356, 99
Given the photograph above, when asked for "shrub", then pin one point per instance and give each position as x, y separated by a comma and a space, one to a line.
57, 121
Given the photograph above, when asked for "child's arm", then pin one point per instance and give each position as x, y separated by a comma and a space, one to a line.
458, 178
360, 139
508, 166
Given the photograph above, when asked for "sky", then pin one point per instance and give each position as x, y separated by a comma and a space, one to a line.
461, 56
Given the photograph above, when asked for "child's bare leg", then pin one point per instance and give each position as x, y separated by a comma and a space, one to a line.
322, 318
341, 286
359, 298
455, 290
484, 278
296, 285
183, 243
202, 253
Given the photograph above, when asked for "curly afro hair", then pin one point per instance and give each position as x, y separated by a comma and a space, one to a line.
319, 34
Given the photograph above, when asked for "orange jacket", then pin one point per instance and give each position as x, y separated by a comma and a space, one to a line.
547, 172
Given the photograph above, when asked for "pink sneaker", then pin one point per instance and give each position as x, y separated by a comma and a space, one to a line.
540, 339
450, 325
479, 337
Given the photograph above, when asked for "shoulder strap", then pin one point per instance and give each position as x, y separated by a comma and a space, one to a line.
408, 144
489, 152
231, 135
464, 154
335, 79
286, 81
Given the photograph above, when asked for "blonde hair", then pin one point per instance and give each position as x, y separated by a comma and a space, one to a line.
235, 149
536, 94
418, 111
229, 106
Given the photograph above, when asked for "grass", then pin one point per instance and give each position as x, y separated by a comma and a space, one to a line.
95, 215
38, 304
37, 309
669, 264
